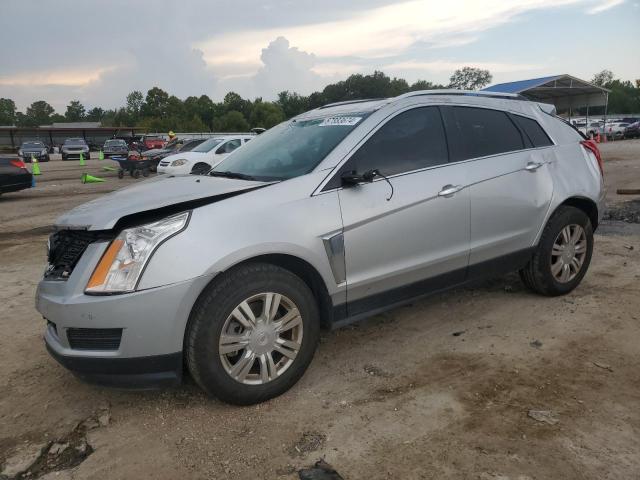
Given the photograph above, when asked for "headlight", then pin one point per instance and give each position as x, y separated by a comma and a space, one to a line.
119, 269
43, 152
181, 161
20, 153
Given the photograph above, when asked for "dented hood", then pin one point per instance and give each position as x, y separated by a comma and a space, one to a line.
162, 191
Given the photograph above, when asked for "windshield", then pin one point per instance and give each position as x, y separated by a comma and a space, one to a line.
190, 145
32, 145
207, 145
291, 149
112, 143
74, 141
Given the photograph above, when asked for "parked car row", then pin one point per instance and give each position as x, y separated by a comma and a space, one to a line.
614, 129
203, 157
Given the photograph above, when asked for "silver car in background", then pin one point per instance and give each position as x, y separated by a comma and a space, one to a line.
73, 147
330, 217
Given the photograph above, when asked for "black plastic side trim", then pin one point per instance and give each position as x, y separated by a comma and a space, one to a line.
375, 304
499, 266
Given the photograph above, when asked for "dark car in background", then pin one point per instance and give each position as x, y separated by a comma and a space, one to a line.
34, 149
14, 175
632, 131
115, 146
73, 147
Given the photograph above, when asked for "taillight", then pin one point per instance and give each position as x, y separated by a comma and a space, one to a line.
18, 163
592, 147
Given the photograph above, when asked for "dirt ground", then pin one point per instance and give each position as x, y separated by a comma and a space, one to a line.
441, 389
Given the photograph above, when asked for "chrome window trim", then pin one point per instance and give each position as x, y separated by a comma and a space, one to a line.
319, 189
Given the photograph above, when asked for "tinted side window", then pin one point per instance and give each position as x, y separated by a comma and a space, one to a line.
411, 140
534, 131
229, 147
478, 132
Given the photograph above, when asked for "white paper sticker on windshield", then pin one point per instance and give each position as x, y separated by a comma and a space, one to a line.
339, 121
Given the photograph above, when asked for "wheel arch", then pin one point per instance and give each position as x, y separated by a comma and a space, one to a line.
588, 206
299, 267
199, 164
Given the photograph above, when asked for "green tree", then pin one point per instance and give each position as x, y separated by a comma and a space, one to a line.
266, 115
75, 111
602, 78
135, 100
292, 104
95, 114
38, 113
469, 78
194, 124
155, 103
175, 108
7, 112
232, 121
424, 85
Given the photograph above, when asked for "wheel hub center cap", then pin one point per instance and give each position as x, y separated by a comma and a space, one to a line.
569, 253
263, 338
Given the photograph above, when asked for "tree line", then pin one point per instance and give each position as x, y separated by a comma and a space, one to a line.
160, 111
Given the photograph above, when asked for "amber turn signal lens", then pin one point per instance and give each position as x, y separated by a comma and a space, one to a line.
104, 265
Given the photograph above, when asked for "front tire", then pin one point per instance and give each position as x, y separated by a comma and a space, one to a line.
252, 334
200, 168
563, 255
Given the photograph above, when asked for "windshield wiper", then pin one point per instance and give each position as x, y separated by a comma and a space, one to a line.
228, 174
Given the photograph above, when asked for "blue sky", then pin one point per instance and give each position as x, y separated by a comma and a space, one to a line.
100, 50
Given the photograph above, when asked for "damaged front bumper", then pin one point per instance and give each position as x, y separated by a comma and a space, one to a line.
132, 340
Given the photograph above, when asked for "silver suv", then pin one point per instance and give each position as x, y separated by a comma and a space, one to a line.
330, 217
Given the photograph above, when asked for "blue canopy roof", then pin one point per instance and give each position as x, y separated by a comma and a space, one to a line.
521, 85
563, 91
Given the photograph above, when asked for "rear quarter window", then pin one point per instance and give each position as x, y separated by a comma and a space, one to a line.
533, 131
479, 132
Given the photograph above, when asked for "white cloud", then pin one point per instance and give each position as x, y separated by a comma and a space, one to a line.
603, 5
63, 77
283, 67
378, 32
451, 65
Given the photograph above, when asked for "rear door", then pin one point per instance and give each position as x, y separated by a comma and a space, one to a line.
510, 185
409, 233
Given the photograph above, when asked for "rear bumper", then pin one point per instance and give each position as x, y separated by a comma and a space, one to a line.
139, 373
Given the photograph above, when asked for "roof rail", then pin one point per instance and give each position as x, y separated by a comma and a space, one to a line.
347, 102
470, 93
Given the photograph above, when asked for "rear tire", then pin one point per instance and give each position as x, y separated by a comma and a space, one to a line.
563, 254
214, 321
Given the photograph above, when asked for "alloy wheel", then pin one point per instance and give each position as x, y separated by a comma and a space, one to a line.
261, 338
568, 253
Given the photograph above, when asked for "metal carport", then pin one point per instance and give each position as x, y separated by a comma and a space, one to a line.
564, 91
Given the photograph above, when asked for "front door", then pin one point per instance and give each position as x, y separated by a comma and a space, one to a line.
408, 235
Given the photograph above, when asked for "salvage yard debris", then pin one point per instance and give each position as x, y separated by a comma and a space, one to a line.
543, 416
320, 471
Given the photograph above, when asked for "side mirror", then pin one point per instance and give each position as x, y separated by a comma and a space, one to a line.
351, 178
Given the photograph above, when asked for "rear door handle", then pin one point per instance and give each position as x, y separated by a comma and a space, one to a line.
533, 166
449, 190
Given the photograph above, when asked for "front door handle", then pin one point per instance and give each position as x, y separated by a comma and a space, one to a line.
533, 166
449, 190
